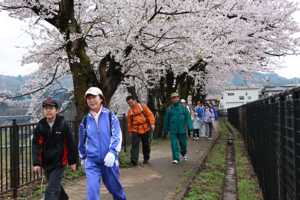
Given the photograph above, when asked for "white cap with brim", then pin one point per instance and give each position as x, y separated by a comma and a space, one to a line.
93, 91
182, 101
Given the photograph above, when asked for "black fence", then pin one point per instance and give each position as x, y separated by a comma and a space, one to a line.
16, 153
271, 131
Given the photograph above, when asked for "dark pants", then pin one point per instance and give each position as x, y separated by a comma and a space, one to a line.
208, 129
135, 145
195, 132
54, 189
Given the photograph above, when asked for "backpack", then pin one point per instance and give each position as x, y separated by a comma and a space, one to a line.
62, 125
84, 126
141, 108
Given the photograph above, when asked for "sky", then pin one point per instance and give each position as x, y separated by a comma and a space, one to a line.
12, 36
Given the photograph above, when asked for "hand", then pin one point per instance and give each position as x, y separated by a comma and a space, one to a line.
82, 163
153, 127
36, 169
73, 167
109, 159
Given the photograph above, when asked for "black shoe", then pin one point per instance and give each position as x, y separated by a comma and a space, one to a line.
146, 161
133, 162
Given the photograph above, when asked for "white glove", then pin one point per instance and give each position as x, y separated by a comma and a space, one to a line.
82, 163
109, 159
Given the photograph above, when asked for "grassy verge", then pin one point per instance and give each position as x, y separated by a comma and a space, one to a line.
247, 183
209, 182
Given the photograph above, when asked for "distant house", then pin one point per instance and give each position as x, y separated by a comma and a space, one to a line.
237, 96
270, 90
214, 99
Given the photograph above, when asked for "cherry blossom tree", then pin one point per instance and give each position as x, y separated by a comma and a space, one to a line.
163, 43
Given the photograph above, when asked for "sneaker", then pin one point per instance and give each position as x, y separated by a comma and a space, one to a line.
194, 138
197, 138
133, 162
146, 161
210, 138
184, 157
206, 138
175, 162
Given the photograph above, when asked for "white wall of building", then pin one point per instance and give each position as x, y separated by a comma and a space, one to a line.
237, 96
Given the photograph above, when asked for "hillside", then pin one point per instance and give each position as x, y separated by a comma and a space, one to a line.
15, 83
274, 80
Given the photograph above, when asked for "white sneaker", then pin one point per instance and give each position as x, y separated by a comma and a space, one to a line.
175, 161
210, 138
184, 157
197, 138
194, 138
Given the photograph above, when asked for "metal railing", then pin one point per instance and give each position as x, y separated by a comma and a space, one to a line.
271, 131
16, 153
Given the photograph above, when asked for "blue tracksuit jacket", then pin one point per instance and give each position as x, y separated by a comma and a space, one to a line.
99, 141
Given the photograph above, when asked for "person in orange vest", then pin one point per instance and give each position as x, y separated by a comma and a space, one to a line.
140, 121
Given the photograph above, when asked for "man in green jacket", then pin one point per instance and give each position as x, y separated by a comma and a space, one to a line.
177, 117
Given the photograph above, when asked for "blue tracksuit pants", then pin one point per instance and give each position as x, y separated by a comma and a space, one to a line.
110, 178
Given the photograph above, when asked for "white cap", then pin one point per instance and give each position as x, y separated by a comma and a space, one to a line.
182, 101
93, 91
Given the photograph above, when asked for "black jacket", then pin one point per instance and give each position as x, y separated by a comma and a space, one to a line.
53, 148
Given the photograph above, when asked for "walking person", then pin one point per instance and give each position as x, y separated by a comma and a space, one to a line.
183, 102
177, 118
53, 146
196, 126
208, 114
193, 108
216, 115
199, 110
140, 121
100, 140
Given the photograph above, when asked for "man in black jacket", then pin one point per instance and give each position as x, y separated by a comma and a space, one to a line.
53, 146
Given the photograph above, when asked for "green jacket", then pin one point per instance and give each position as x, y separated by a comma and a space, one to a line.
177, 119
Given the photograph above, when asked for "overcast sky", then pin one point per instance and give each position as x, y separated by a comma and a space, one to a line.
12, 35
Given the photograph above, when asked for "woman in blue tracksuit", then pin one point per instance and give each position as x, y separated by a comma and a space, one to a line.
99, 144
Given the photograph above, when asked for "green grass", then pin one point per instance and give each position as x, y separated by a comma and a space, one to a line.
247, 186
209, 182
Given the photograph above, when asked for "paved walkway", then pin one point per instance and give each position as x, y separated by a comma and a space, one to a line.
159, 179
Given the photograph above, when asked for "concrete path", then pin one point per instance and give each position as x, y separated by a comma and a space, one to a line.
159, 179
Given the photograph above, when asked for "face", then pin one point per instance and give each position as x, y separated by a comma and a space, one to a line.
206, 106
131, 102
94, 102
175, 99
201, 104
50, 112
210, 105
